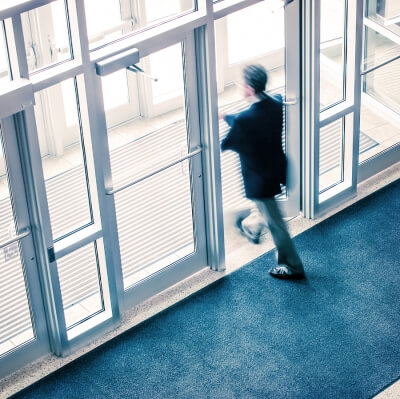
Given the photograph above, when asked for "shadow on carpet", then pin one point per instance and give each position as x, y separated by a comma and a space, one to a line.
334, 335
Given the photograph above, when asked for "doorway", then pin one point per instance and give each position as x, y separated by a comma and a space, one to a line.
266, 33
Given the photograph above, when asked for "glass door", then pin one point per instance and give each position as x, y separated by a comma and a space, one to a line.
266, 33
155, 174
331, 116
380, 89
23, 332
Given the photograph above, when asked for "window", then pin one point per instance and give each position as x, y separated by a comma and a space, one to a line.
333, 52
46, 35
112, 19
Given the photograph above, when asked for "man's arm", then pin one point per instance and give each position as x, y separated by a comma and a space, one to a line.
233, 138
228, 118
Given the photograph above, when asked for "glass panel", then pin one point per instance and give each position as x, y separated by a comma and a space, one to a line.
331, 147
46, 35
154, 216
115, 19
80, 283
63, 158
115, 90
332, 55
4, 63
238, 44
16, 322
161, 126
158, 230
386, 13
380, 100
384, 82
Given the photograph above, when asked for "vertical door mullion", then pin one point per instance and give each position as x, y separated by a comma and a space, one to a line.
102, 165
194, 140
101, 158
37, 200
292, 114
358, 55
208, 111
311, 83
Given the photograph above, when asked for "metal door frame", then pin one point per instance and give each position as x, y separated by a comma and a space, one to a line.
10, 115
198, 260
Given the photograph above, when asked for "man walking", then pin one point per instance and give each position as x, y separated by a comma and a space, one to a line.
256, 135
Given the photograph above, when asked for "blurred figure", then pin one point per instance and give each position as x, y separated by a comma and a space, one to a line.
252, 226
256, 135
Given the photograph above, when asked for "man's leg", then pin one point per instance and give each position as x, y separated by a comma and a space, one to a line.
287, 254
253, 225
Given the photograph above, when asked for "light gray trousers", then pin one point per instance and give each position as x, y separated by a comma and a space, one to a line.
287, 254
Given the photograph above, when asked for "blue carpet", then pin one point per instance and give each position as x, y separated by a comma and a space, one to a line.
334, 335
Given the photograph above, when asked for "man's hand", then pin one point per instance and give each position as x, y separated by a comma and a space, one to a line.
221, 115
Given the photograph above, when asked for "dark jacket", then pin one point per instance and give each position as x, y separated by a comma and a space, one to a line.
256, 135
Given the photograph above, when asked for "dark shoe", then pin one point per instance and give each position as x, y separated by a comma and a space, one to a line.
255, 239
285, 273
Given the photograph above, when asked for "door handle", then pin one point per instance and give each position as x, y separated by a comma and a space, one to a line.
290, 101
191, 154
25, 232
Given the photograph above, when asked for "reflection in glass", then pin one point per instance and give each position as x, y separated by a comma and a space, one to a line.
385, 13
112, 19
380, 100
382, 82
240, 41
333, 53
80, 284
16, 327
4, 63
46, 34
62, 150
154, 216
331, 148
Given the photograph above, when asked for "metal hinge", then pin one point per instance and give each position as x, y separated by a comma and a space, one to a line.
51, 254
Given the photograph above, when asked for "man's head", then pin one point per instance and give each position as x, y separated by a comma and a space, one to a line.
255, 78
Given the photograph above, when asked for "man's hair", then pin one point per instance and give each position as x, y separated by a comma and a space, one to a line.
256, 77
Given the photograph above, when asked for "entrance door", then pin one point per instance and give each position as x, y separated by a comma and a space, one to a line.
23, 332
266, 33
332, 112
155, 175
